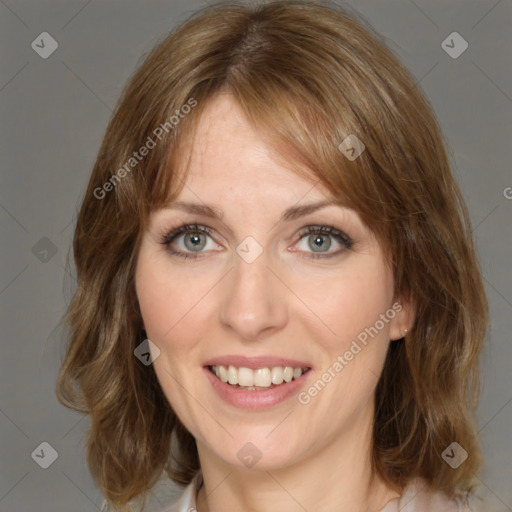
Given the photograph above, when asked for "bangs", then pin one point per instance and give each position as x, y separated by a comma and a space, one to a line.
302, 133
295, 132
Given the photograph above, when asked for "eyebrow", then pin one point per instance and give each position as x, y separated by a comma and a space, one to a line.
292, 213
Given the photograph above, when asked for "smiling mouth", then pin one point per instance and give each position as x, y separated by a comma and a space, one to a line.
260, 379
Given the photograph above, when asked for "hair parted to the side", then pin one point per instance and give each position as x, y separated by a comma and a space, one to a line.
307, 74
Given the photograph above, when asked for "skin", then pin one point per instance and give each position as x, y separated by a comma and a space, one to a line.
286, 304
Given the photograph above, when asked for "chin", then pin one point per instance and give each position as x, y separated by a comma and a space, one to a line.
254, 448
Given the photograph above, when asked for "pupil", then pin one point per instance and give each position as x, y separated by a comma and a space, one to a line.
194, 241
318, 240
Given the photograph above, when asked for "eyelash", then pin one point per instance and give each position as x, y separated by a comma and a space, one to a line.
170, 235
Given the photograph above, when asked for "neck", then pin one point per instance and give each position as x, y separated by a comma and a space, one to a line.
337, 476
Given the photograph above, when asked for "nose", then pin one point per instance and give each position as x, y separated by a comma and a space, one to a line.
254, 302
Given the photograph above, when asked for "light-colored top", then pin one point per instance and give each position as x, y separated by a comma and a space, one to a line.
415, 498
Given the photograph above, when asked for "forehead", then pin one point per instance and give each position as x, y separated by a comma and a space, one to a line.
228, 157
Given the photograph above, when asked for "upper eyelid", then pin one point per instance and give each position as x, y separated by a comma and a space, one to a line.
174, 233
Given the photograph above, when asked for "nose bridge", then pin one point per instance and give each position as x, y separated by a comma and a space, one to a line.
254, 300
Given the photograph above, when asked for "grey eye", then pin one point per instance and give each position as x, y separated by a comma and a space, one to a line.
193, 241
318, 241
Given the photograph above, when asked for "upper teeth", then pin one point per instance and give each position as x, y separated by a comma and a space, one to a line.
262, 377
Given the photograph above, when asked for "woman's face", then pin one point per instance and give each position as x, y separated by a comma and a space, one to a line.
261, 293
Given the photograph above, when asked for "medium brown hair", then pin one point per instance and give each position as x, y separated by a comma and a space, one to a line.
307, 74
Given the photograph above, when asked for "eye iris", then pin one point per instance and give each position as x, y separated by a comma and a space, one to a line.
195, 239
318, 240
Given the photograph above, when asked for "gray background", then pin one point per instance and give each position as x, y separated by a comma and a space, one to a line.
54, 112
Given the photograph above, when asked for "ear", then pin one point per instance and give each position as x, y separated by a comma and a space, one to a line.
405, 315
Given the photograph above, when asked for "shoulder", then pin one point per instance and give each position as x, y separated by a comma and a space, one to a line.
417, 497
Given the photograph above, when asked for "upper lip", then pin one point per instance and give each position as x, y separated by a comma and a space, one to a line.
255, 362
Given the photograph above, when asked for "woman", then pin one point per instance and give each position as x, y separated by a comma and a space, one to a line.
278, 299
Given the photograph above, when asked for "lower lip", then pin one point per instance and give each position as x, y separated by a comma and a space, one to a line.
253, 399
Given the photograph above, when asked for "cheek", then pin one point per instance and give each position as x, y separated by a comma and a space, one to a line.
347, 302
171, 299
155, 301
353, 357
161, 297
167, 303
